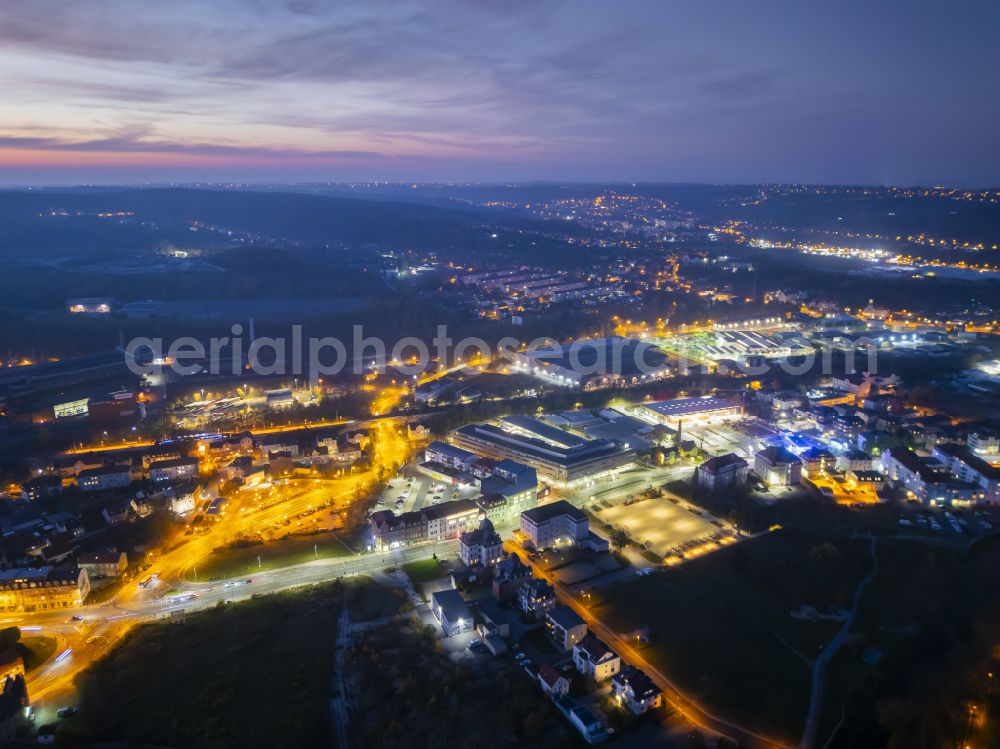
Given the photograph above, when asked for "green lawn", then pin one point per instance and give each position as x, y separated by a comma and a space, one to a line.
423, 571
243, 560
36, 651
246, 675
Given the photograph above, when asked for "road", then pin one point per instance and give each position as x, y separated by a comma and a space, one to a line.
672, 694
104, 625
299, 505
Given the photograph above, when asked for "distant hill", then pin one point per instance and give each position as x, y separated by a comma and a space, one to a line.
29, 225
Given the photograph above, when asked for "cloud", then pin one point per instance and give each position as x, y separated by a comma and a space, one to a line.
610, 87
141, 142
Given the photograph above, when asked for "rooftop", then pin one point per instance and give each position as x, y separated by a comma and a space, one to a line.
565, 617
452, 606
689, 406
544, 513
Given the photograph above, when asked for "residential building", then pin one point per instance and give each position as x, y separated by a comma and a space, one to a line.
776, 466
984, 441
565, 627
971, 468
726, 471
515, 482
551, 681
183, 500
116, 513
582, 718
141, 506
594, 659
41, 487
104, 478
923, 482
450, 519
635, 691
508, 576
239, 467
451, 612
481, 546
106, 563
390, 531
816, 461
536, 598
42, 589
278, 444
544, 524
180, 469
493, 620
449, 455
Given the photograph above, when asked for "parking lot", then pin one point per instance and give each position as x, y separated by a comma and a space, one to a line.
727, 437
411, 491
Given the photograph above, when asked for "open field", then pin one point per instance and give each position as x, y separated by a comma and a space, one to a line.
922, 653
243, 560
721, 626
258, 675
657, 522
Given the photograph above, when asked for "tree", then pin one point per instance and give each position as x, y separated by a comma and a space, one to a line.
9, 636
619, 538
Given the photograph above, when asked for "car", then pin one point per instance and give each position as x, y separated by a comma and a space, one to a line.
66, 712
474, 642
76, 618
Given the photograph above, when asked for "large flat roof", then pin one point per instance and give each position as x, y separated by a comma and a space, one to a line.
541, 450
542, 430
686, 406
453, 451
452, 606
611, 355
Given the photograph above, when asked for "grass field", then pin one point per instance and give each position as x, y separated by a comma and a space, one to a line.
36, 651
244, 560
253, 674
721, 625
423, 571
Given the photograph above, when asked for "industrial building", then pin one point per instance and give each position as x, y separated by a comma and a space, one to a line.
557, 463
672, 412
595, 363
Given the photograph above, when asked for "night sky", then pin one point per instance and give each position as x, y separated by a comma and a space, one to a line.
867, 91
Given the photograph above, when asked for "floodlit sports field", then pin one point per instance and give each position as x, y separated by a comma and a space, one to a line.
659, 522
